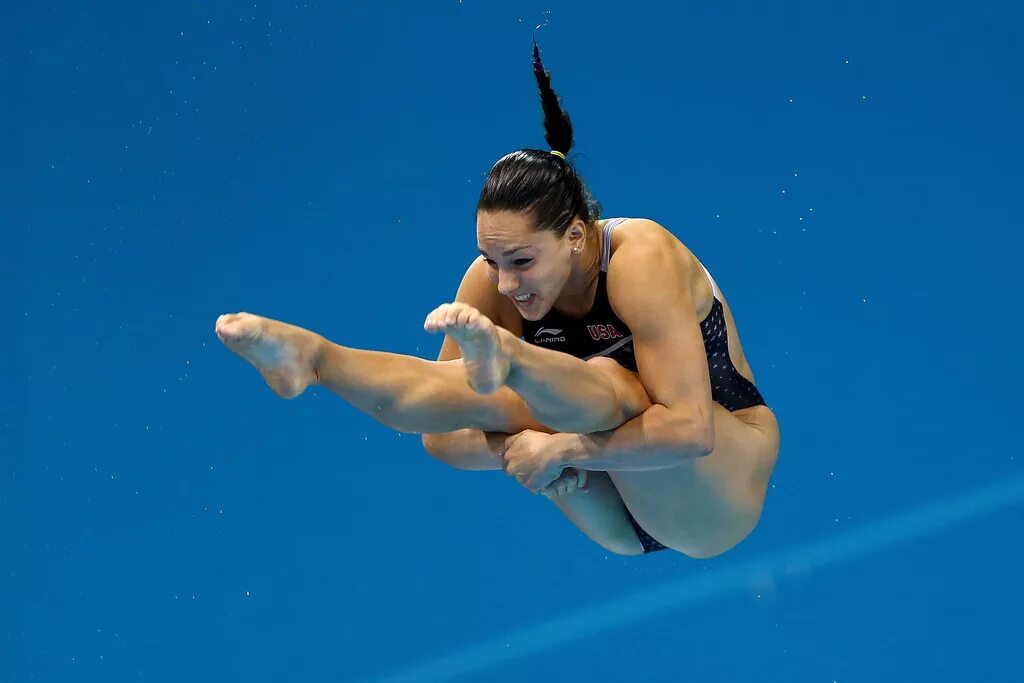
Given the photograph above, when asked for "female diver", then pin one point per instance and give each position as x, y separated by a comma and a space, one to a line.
595, 360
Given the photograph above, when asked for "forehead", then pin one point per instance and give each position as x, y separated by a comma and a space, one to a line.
503, 222
504, 229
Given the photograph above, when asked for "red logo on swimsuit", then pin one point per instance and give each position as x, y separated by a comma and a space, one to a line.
599, 332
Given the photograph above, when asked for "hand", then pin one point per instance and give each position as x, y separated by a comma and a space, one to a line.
535, 459
571, 480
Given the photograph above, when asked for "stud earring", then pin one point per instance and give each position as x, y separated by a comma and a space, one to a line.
575, 250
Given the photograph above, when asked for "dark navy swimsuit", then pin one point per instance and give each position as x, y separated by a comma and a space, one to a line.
601, 333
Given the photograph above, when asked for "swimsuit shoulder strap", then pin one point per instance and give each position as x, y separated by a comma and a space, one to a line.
606, 254
717, 293
606, 247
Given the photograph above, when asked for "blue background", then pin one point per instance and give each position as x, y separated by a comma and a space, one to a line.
850, 172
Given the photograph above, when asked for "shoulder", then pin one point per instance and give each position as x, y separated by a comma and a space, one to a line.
478, 290
643, 233
645, 257
638, 240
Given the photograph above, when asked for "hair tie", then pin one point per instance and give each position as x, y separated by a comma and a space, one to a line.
558, 154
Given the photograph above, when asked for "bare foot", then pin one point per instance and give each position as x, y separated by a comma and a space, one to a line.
284, 354
487, 363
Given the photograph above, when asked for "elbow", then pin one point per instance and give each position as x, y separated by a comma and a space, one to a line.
431, 442
701, 434
692, 435
678, 436
441, 447
434, 445
702, 443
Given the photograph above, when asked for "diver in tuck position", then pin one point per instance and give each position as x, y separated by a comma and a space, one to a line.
595, 360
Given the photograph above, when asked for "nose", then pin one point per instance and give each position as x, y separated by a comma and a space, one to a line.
507, 282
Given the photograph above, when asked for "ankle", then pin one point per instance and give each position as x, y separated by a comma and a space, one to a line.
321, 347
511, 347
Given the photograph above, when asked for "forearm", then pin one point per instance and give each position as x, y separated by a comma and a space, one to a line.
655, 439
415, 395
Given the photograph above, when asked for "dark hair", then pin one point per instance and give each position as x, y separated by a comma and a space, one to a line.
536, 181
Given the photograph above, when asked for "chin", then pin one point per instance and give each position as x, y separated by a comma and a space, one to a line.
533, 313
536, 314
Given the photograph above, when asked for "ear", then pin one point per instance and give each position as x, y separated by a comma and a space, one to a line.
577, 233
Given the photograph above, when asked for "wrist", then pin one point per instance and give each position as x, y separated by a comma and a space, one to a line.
571, 451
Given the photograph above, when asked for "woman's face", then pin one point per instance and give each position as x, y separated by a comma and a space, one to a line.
529, 266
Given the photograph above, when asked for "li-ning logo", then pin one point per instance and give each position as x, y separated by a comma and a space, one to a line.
599, 332
551, 335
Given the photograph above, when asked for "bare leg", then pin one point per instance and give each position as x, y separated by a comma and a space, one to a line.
707, 505
564, 392
406, 393
415, 395
573, 395
600, 514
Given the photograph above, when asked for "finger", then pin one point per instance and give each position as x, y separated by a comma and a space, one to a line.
536, 484
581, 480
561, 486
503, 455
565, 483
509, 442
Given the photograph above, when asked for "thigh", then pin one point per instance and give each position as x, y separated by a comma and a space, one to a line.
706, 502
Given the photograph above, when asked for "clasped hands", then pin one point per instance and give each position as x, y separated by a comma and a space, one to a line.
540, 462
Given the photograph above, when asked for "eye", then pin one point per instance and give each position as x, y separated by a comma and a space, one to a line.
489, 262
522, 262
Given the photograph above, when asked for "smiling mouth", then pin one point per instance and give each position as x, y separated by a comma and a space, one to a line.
523, 298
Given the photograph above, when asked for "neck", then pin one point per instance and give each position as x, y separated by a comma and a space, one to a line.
578, 295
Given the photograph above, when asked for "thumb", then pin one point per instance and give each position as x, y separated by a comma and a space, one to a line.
581, 481
506, 445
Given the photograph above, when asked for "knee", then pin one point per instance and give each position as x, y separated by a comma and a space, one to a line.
604, 363
630, 392
436, 446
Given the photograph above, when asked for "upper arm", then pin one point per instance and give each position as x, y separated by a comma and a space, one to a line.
649, 288
479, 291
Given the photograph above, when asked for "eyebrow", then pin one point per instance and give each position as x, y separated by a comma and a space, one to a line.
507, 253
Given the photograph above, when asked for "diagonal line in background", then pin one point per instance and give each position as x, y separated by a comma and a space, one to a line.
938, 515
